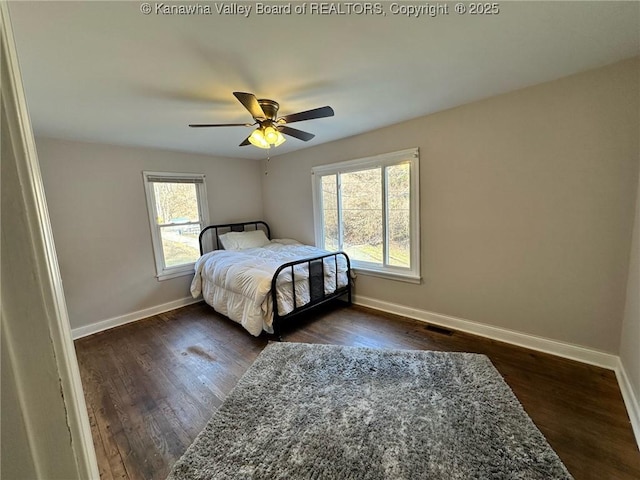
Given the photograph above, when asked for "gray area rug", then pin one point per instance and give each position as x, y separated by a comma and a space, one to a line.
329, 412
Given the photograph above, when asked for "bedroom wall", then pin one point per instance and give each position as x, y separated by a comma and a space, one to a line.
100, 223
527, 204
630, 338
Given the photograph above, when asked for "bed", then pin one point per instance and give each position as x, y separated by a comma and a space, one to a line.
262, 282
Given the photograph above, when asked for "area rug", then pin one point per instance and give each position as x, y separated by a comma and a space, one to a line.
331, 412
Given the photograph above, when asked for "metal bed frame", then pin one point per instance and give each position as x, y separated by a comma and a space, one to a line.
315, 267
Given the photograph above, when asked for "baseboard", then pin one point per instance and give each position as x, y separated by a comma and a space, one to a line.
86, 330
630, 400
533, 342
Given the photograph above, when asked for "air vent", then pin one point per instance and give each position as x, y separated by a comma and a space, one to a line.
440, 330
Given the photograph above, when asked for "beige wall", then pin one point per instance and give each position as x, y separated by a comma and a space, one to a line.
630, 338
527, 204
101, 227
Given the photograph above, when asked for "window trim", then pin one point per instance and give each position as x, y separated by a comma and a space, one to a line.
411, 274
199, 179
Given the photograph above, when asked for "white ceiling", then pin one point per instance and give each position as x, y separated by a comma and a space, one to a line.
104, 72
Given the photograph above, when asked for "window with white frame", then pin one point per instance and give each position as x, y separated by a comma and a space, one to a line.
177, 205
369, 208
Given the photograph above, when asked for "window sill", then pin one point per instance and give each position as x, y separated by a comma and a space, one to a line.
400, 277
175, 274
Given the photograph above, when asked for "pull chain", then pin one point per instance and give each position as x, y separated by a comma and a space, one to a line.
266, 170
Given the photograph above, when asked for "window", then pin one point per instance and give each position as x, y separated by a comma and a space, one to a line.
369, 209
177, 204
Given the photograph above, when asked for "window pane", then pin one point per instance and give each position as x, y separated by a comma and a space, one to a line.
381, 190
176, 202
362, 214
330, 212
399, 201
180, 244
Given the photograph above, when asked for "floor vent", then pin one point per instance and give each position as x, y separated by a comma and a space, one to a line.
440, 330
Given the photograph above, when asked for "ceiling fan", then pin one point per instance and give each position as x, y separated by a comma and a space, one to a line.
270, 126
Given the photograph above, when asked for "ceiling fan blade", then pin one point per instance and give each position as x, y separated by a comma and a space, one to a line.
308, 115
221, 124
294, 132
245, 142
250, 102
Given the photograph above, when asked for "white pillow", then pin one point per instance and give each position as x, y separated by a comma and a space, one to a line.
286, 241
242, 240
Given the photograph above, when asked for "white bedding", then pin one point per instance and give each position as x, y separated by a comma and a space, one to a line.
237, 283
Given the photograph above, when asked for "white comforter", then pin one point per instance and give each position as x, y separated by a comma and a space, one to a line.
237, 283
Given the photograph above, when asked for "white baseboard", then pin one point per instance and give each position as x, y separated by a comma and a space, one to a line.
533, 342
630, 400
86, 330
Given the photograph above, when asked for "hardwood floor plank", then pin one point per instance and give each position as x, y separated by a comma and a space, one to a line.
151, 386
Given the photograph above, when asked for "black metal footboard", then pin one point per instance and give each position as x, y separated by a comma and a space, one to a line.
316, 279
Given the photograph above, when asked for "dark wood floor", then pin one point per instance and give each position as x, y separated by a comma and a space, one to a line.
152, 385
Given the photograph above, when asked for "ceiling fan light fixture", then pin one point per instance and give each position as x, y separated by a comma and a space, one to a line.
271, 135
280, 140
266, 137
257, 139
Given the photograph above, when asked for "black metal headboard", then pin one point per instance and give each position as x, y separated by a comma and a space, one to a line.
232, 227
